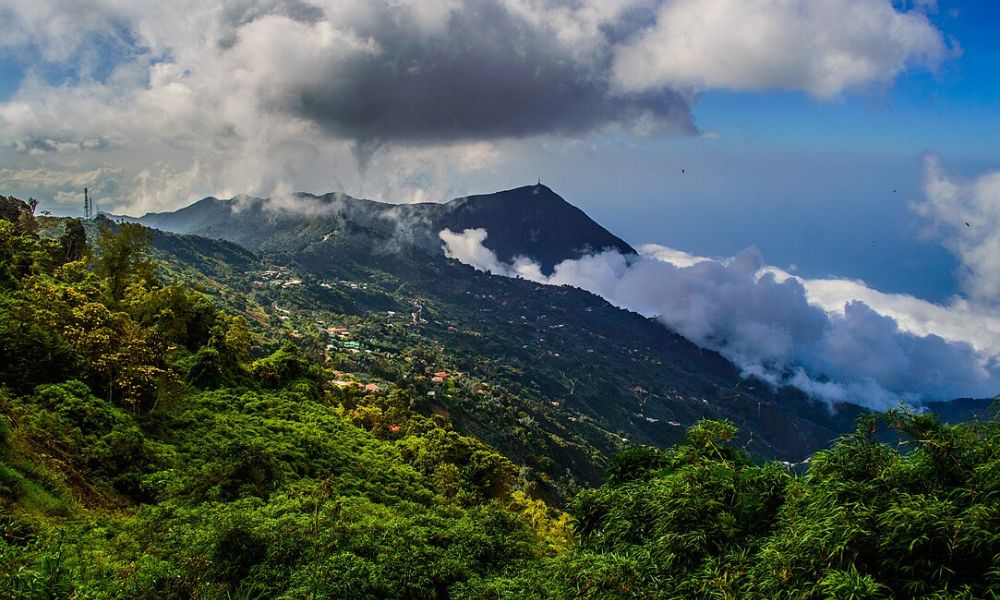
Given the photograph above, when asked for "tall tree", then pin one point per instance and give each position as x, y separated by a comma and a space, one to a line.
73, 240
123, 256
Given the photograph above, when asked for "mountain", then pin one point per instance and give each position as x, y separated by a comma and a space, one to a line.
554, 377
529, 221
198, 216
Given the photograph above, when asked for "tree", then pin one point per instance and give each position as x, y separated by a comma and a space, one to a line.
32, 354
20, 213
26, 220
10, 208
73, 240
123, 256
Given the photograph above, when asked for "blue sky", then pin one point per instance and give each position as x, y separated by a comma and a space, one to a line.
810, 182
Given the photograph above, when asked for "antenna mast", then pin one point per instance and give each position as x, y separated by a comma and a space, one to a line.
87, 210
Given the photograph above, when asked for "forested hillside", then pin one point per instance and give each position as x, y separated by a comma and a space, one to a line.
163, 441
553, 376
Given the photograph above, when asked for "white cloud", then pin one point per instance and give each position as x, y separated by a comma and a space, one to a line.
965, 216
671, 255
822, 47
468, 248
959, 320
815, 335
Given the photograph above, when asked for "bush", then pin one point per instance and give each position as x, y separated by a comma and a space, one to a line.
236, 552
247, 470
32, 355
11, 483
91, 434
635, 463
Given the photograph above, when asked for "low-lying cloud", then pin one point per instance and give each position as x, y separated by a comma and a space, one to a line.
771, 325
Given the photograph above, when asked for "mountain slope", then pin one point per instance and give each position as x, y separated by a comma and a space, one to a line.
196, 217
555, 377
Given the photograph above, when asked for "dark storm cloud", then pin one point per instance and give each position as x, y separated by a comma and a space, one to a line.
489, 74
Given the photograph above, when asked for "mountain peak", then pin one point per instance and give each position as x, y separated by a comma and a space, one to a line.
532, 221
538, 192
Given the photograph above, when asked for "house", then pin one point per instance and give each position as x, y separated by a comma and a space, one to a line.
437, 379
443, 374
371, 387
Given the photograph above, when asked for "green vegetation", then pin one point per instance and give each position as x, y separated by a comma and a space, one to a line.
700, 520
154, 445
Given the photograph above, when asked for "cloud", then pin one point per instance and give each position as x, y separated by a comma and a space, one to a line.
384, 96
965, 216
65, 185
386, 70
822, 47
480, 71
468, 248
959, 320
771, 325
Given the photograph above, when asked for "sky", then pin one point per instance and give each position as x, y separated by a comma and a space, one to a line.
855, 141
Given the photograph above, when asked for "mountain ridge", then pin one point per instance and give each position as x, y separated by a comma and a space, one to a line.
531, 221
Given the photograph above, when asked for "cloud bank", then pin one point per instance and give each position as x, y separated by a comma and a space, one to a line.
778, 327
194, 97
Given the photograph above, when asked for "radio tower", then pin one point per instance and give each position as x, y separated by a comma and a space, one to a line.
87, 210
